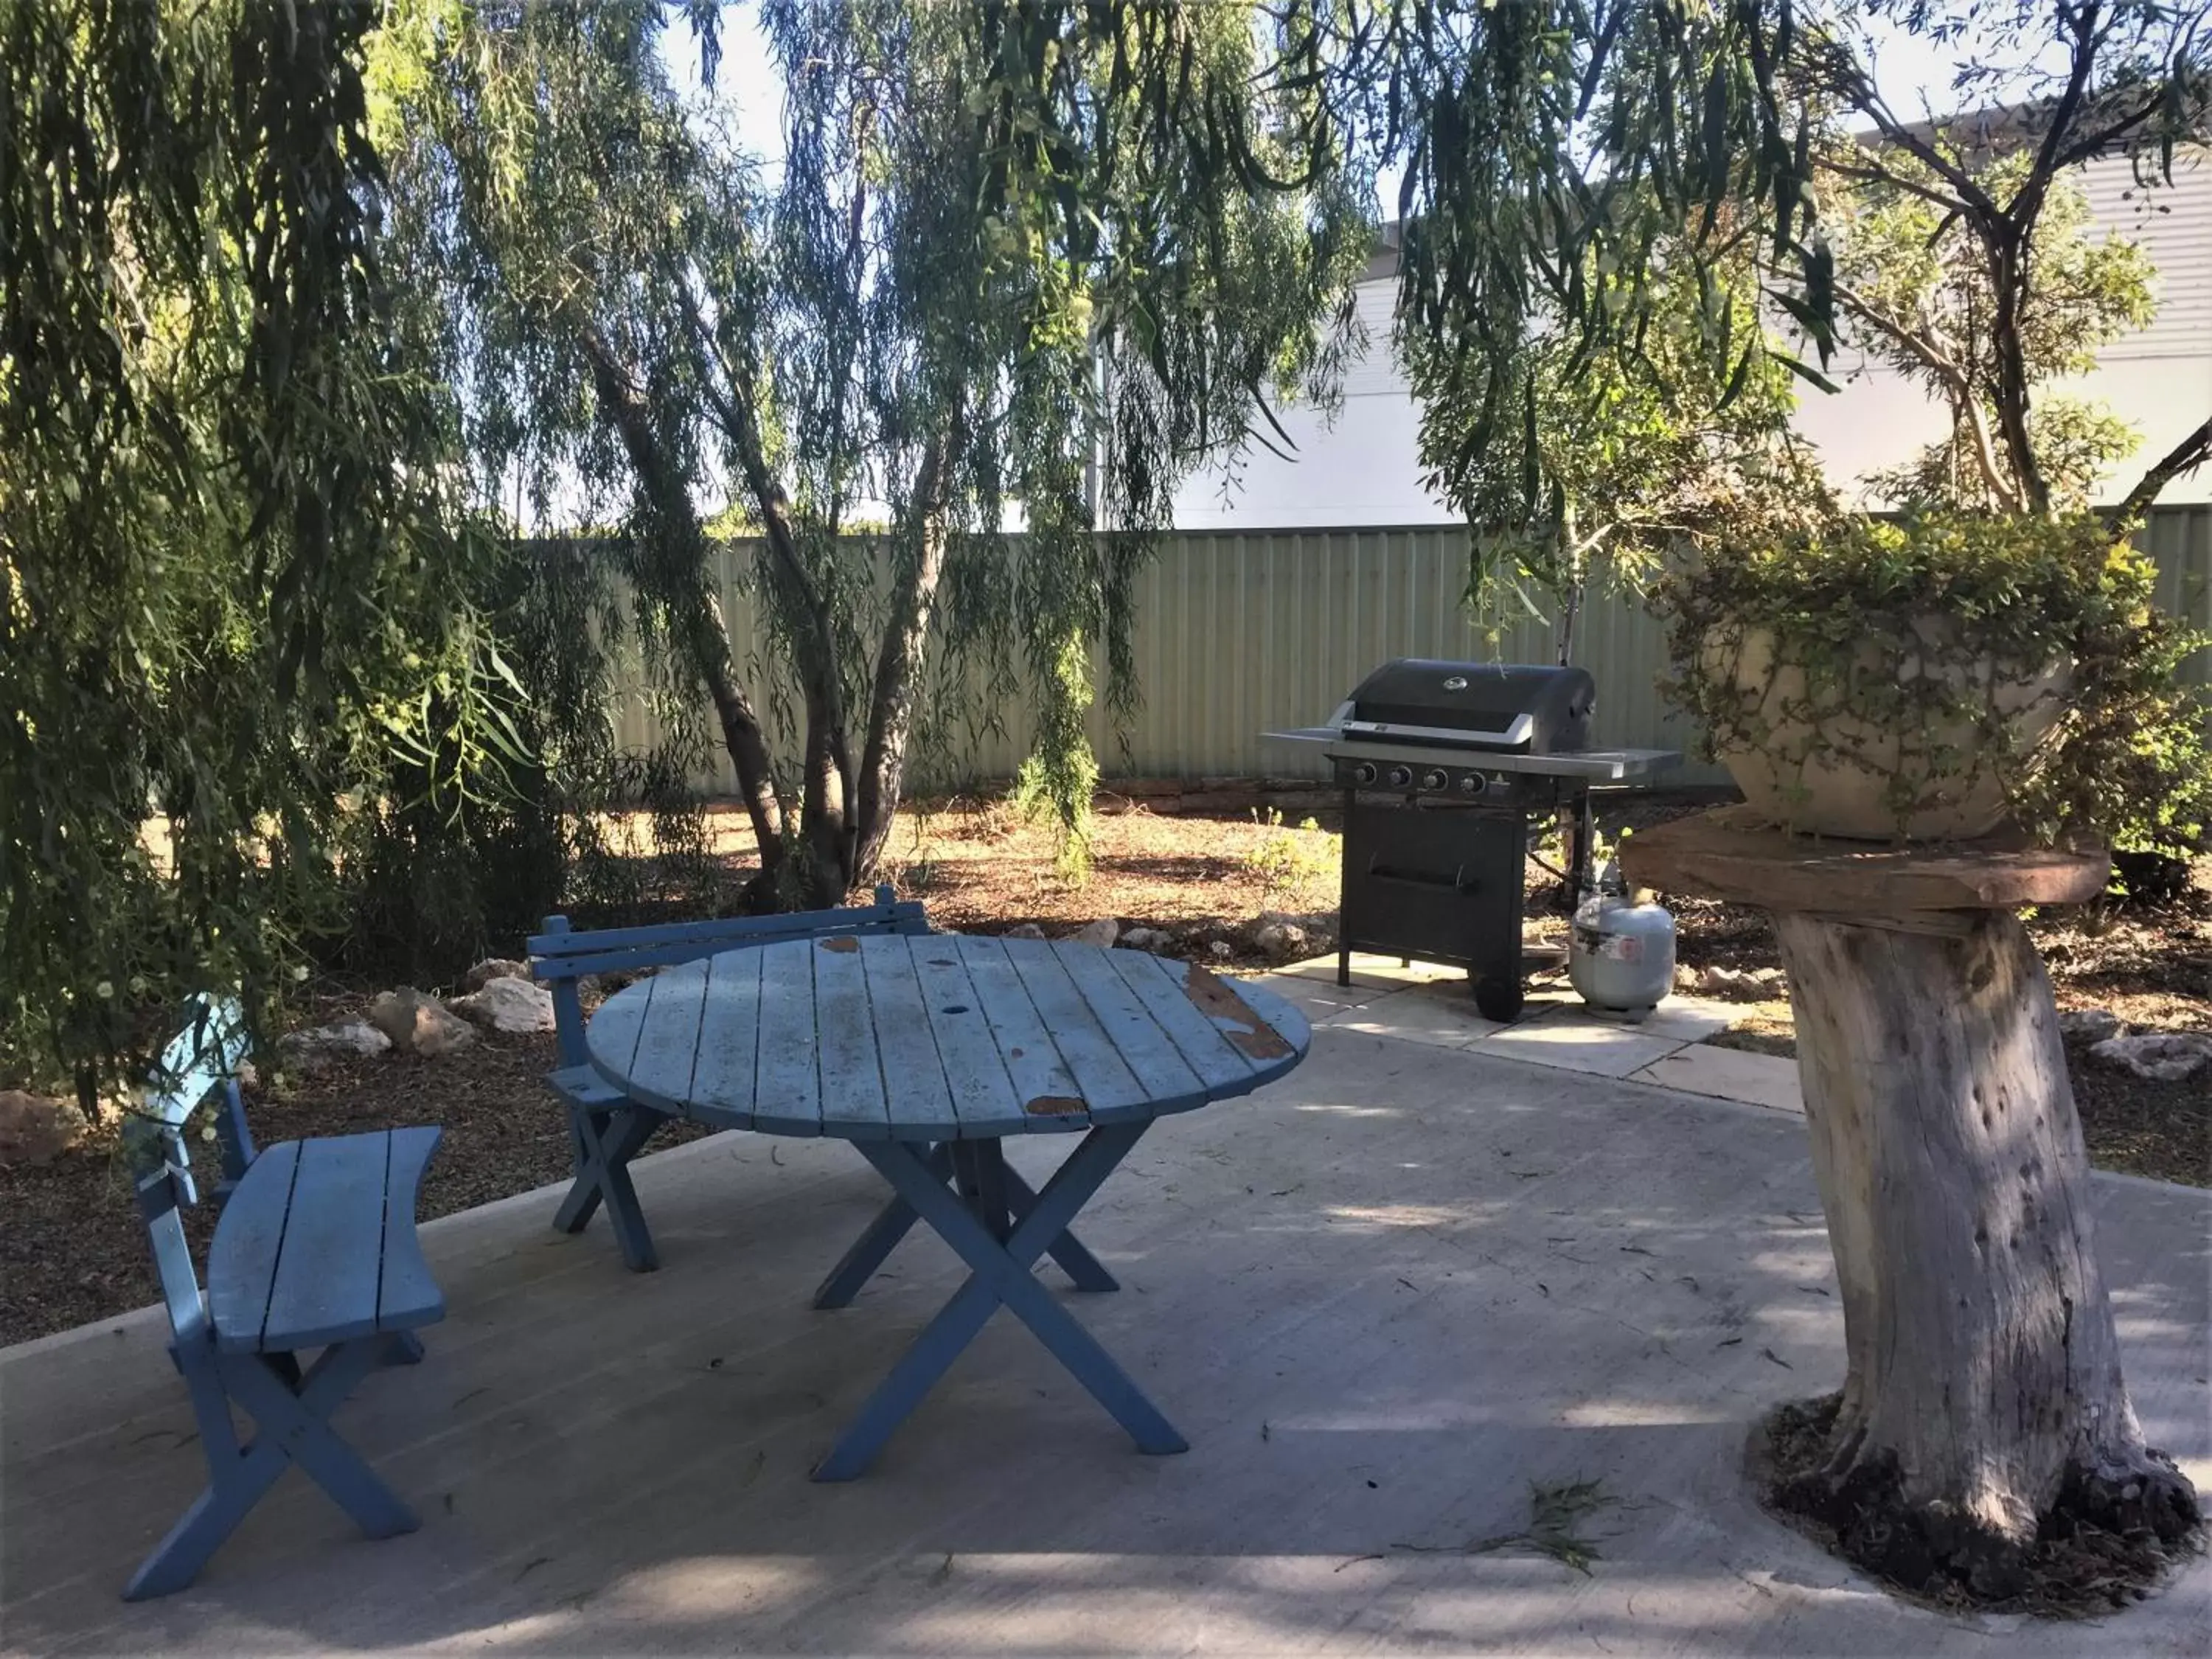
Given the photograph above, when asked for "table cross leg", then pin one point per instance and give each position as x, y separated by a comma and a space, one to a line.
999, 1275
1083, 1269
873, 1248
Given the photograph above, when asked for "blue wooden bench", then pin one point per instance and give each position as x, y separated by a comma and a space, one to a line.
314, 1248
610, 1128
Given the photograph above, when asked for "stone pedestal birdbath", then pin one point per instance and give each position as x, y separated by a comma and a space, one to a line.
1983, 1386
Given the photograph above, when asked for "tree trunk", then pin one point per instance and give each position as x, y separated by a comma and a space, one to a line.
898, 666
689, 592
1984, 1381
2008, 255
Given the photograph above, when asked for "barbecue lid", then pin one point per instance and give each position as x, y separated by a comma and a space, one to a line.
1527, 706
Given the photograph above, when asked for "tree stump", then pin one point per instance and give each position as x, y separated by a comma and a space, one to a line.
1982, 1400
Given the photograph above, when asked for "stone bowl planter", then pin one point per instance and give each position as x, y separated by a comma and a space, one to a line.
1820, 766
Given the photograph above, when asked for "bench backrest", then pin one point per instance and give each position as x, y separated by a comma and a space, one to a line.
559, 957
202, 1058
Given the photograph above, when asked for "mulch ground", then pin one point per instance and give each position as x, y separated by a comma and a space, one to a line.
72, 1251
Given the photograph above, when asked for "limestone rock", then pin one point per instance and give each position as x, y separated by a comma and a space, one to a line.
2159, 1056
317, 1049
418, 1024
1755, 984
1280, 939
506, 1003
2089, 1025
492, 968
1102, 933
37, 1128
1155, 939
1027, 930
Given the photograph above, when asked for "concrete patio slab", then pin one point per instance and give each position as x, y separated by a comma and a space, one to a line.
1381, 1299
1385, 973
1769, 1080
1691, 1020
1416, 1015
1579, 1041
1318, 998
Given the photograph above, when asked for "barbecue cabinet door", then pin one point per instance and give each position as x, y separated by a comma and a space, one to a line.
1440, 883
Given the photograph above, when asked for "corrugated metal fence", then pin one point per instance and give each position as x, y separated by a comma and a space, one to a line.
1239, 633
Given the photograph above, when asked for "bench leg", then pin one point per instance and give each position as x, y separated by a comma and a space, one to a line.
292, 1427
605, 1143
403, 1348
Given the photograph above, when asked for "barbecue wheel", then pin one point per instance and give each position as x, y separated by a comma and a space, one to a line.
1498, 998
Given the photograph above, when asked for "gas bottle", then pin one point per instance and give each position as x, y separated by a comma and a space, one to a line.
1621, 956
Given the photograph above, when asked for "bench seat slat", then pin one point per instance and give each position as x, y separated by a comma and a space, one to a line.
326, 1289
407, 1295
583, 1086
243, 1259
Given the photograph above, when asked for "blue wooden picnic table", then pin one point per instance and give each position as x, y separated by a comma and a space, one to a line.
925, 1052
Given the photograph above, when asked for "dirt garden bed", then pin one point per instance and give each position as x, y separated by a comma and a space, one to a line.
71, 1250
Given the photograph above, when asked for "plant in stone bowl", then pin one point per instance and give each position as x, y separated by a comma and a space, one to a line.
1943, 677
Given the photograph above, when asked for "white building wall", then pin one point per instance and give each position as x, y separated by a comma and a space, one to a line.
1362, 467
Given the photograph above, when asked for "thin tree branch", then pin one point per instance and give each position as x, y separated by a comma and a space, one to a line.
1965, 406
2028, 202
2184, 457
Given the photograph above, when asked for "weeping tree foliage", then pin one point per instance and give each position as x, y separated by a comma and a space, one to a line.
235, 597
1626, 448
1583, 183
991, 288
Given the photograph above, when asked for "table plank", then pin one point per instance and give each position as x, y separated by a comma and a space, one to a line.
919, 1096
1046, 1095
332, 1258
1160, 987
983, 1091
729, 1038
1085, 1049
1167, 1080
668, 1041
853, 1104
788, 1086
611, 1033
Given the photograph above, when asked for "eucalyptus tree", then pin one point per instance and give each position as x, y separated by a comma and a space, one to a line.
2047, 86
1916, 289
986, 277
233, 588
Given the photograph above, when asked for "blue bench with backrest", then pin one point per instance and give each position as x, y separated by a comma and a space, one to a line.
314, 1247
608, 1127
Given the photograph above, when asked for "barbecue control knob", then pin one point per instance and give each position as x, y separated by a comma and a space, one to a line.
1364, 773
1434, 778
1472, 784
1399, 777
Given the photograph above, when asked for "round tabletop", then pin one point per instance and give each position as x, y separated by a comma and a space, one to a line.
938, 1036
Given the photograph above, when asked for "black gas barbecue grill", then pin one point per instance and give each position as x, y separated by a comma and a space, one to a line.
1443, 766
